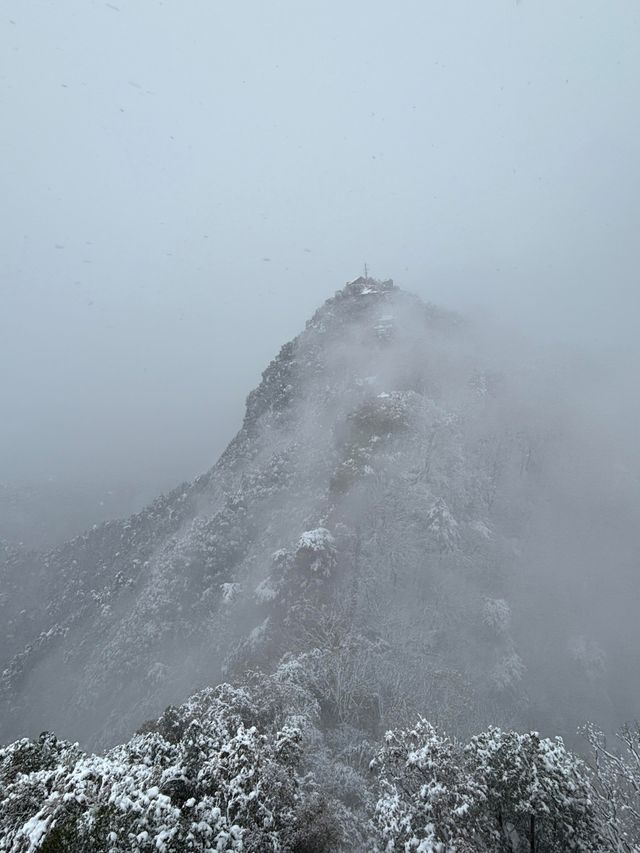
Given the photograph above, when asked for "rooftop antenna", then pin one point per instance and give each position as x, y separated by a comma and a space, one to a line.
366, 272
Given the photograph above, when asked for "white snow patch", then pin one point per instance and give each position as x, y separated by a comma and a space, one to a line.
229, 591
265, 591
34, 830
316, 540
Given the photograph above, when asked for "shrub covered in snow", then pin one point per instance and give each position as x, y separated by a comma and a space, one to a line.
251, 769
316, 551
532, 794
219, 773
423, 803
501, 793
616, 787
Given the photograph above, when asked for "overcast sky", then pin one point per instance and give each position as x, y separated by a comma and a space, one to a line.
183, 183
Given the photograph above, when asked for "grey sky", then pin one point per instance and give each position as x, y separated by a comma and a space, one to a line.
155, 155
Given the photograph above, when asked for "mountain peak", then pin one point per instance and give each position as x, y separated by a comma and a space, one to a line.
390, 492
365, 286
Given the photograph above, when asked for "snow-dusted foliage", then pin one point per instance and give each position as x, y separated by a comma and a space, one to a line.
222, 772
533, 794
616, 787
442, 526
423, 803
260, 767
316, 551
508, 671
503, 791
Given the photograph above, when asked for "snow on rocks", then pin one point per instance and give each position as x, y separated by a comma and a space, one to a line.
319, 539
316, 551
230, 591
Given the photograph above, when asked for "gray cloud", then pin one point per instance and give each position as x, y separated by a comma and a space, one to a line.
155, 154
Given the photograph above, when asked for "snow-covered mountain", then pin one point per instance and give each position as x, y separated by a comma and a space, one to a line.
382, 516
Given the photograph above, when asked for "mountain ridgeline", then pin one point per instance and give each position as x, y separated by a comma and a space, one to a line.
400, 514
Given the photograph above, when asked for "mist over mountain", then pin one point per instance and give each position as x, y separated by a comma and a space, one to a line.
418, 552
388, 601
416, 512
42, 514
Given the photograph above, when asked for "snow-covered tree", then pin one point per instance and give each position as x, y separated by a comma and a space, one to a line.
423, 800
222, 772
442, 526
616, 785
503, 792
532, 794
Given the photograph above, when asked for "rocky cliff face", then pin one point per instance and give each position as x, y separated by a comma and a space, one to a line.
373, 517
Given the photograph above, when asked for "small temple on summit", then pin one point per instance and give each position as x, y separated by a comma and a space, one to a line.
365, 284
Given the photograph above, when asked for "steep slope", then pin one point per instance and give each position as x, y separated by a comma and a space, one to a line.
372, 517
